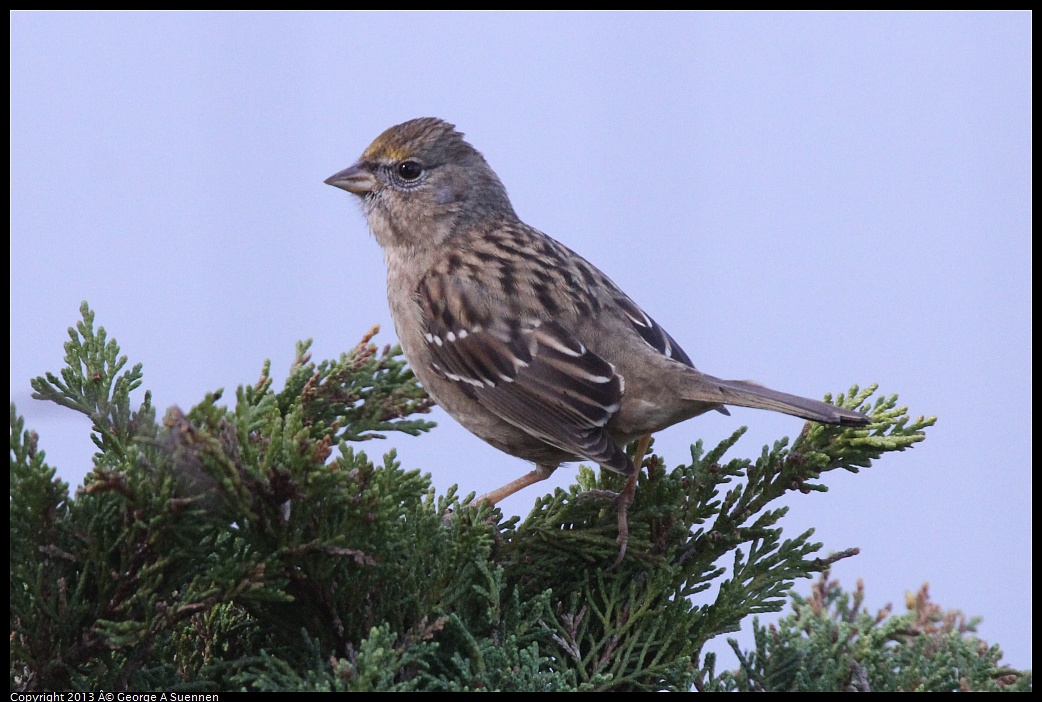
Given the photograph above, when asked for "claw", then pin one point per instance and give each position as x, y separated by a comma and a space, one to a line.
625, 498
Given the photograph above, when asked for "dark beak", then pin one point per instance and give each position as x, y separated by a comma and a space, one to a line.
357, 179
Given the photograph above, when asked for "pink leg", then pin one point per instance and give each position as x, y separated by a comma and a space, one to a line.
540, 473
625, 498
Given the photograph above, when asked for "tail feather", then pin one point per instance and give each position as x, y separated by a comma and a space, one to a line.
745, 393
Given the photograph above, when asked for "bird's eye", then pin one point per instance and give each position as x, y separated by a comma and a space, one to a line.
409, 170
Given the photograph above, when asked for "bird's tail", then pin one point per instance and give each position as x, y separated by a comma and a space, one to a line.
746, 393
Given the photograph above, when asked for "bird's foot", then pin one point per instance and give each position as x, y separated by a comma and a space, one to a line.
622, 503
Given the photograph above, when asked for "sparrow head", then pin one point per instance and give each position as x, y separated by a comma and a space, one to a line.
421, 179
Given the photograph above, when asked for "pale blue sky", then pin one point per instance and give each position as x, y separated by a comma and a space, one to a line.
809, 200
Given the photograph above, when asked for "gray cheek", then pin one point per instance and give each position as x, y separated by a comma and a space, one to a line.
444, 195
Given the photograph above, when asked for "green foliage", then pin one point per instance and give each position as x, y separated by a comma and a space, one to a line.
830, 643
254, 547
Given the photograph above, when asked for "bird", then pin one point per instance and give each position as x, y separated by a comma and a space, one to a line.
523, 341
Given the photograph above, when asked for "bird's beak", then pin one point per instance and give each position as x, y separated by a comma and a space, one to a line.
357, 179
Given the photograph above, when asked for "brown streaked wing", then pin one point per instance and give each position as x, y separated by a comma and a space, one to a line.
531, 373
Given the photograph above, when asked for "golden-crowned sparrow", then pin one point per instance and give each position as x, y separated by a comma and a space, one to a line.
522, 340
